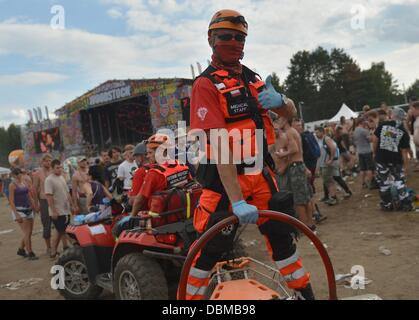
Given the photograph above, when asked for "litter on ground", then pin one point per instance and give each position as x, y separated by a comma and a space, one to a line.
21, 283
384, 251
371, 233
6, 231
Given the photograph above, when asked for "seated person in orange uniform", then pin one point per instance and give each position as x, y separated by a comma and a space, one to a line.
159, 177
140, 155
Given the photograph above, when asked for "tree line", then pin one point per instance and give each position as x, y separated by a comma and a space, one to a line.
9, 141
324, 79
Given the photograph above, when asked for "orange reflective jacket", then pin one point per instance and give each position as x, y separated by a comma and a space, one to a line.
236, 99
175, 174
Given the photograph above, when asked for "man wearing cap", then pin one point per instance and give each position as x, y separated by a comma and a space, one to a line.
81, 189
111, 169
230, 97
391, 144
140, 152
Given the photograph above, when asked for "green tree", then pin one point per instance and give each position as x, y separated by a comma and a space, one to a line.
277, 83
413, 90
13, 133
379, 86
299, 84
324, 80
3, 147
9, 141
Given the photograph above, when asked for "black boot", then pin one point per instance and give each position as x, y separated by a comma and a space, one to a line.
21, 252
32, 256
304, 294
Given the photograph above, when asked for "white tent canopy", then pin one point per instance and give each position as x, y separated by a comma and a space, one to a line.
344, 111
4, 170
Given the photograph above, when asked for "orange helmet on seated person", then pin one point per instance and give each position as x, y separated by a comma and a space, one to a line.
157, 140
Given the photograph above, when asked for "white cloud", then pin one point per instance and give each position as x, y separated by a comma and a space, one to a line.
17, 19
99, 57
12, 114
403, 63
277, 29
166, 36
19, 113
31, 78
114, 13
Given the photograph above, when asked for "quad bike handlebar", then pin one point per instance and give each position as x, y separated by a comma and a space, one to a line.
272, 215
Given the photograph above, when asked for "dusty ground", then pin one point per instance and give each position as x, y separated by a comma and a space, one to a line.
394, 277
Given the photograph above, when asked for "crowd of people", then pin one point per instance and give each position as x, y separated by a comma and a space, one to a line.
58, 194
376, 146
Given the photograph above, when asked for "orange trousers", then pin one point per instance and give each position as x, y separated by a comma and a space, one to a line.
213, 208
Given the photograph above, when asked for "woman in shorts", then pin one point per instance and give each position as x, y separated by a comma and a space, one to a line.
22, 205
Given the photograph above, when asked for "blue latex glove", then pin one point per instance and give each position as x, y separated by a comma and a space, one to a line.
79, 220
269, 98
124, 220
246, 213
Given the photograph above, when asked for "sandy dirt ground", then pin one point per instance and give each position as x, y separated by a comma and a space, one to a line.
353, 233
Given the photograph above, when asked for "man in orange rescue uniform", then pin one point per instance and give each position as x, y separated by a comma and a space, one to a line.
228, 95
159, 176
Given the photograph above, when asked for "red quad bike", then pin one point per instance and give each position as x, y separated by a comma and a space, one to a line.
248, 279
146, 260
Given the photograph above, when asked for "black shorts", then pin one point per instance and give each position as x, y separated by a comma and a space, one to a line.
366, 162
61, 223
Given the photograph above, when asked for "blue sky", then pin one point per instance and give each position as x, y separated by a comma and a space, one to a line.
119, 39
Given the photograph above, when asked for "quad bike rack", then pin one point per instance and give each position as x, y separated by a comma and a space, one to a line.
272, 215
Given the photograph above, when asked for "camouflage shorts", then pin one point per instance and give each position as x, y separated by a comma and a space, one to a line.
297, 183
393, 190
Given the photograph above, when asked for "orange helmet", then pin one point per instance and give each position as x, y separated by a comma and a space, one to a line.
16, 158
228, 19
157, 140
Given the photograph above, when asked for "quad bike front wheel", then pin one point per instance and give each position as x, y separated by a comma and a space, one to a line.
138, 277
76, 279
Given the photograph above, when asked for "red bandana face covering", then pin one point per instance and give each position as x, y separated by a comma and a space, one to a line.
227, 56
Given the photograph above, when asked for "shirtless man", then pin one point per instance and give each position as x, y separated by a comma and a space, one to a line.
281, 143
81, 189
41, 199
296, 172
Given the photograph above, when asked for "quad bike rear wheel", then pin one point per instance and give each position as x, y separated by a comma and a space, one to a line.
77, 284
138, 277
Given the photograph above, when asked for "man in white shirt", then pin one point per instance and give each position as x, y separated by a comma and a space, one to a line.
59, 203
127, 168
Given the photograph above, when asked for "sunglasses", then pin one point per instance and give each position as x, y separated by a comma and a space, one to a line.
229, 37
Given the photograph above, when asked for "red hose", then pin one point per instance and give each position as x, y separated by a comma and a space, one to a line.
272, 215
